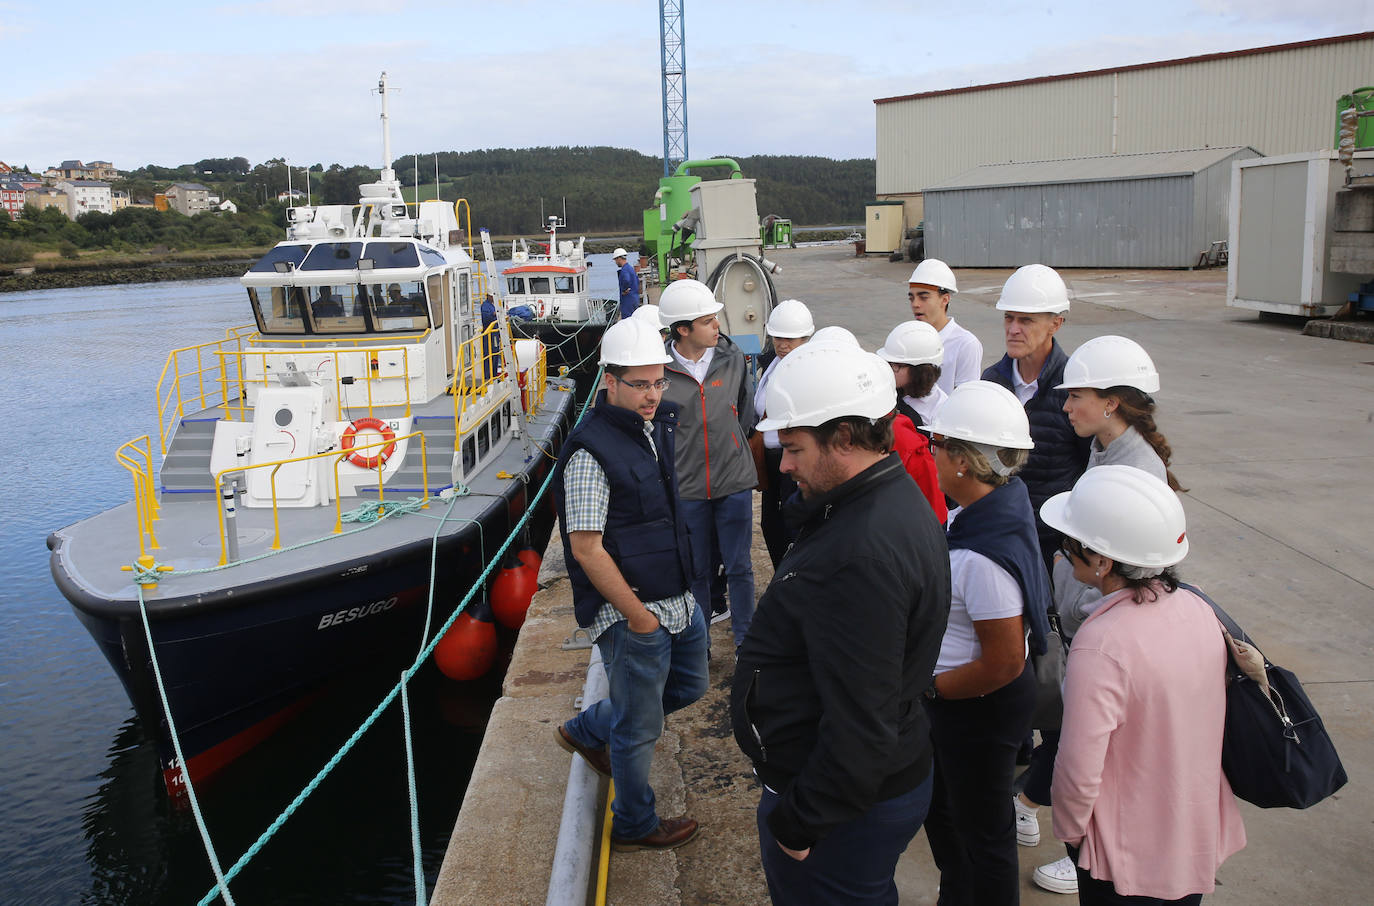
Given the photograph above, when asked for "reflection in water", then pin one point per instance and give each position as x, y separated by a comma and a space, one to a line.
348, 843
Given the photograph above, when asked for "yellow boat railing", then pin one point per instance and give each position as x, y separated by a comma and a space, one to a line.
458, 207
236, 367
339, 457
194, 374
213, 374
536, 382
137, 457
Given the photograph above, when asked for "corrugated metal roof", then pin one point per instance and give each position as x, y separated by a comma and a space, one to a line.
1090, 169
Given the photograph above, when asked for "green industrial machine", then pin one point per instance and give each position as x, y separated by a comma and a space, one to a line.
665, 237
775, 232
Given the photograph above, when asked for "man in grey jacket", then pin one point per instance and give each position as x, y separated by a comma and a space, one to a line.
715, 470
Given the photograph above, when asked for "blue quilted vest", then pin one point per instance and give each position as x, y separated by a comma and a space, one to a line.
644, 532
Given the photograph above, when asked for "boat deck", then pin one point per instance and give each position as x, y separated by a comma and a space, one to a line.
188, 529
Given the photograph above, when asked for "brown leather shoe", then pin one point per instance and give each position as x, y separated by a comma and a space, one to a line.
599, 759
670, 833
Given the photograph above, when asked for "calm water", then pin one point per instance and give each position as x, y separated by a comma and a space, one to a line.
83, 818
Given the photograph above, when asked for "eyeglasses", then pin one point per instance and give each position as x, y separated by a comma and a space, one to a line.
1072, 549
937, 444
644, 386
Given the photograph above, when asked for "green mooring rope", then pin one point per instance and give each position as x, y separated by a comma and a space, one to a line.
220, 888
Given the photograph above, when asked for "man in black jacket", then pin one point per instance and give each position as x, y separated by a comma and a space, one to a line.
827, 684
1033, 302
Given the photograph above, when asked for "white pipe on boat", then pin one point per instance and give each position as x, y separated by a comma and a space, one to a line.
577, 832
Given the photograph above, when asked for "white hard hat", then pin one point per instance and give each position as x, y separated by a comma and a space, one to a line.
632, 342
814, 384
934, 272
620, 253
834, 336
791, 319
1033, 289
648, 314
1123, 513
982, 412
686, 300
1110, 361
913, 343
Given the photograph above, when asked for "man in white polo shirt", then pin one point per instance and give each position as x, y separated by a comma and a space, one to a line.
929, 291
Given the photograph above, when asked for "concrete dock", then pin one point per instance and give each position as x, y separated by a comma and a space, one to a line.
1273, 433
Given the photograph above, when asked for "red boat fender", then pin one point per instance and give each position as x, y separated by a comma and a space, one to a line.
511, 594
467, 650
530, 557
368, 424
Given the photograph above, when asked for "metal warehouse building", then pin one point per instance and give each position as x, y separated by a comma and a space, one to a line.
1278, 100
1160, 209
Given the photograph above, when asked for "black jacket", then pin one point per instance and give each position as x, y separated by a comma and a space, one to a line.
828, 682
1060, 455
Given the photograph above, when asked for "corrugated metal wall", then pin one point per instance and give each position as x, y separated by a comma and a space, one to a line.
1279, 102
1110, 223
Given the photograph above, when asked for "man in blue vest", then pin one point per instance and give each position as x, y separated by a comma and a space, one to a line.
1033, 302
629, 566
629, 283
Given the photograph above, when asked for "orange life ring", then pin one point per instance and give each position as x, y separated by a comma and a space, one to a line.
363, 424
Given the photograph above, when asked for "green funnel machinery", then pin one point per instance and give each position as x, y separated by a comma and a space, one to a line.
709, 230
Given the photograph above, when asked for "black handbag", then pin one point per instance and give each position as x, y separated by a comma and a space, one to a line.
1275, 750
1049, 679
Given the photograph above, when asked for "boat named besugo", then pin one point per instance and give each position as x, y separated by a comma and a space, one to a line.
549, 287
306, 472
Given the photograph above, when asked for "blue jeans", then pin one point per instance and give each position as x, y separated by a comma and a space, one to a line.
650, 674
854, 863
730, 521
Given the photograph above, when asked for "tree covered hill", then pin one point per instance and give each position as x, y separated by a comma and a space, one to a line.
607, 189
510, 190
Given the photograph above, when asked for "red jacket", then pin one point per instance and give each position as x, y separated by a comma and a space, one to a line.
914, 450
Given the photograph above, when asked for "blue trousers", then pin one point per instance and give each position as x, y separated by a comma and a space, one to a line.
729, 521
650, 675
855, 862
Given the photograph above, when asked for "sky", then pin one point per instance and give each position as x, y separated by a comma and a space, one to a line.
157, 82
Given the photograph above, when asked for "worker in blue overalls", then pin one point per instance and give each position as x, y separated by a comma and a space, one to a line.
629, 283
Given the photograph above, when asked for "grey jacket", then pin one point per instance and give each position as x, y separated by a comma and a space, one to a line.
713, 458
1075, 601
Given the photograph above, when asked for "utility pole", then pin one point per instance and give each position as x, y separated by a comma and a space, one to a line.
673, 51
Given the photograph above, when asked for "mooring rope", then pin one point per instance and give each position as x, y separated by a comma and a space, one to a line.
223, 881
406, 676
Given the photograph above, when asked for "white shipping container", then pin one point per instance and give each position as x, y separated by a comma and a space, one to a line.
1281, 214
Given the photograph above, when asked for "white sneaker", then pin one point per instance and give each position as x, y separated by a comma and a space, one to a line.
1027, 824
1059, 877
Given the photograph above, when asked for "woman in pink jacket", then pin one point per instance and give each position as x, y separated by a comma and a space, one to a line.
1139, 795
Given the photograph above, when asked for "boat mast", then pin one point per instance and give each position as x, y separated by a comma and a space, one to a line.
388, 174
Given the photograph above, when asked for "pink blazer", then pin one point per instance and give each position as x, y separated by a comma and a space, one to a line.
1138, 786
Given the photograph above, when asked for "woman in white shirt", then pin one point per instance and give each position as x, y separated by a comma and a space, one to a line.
983, 692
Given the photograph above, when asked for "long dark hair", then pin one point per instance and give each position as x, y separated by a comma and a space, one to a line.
1137, 409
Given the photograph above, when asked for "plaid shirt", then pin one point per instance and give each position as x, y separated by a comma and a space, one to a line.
587, 498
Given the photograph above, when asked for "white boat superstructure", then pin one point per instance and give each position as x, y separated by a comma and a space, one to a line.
552, 283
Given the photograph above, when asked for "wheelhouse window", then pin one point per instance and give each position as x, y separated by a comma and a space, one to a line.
336, 308
539, 285
515, 286
392, 254
397, 305
563, 284
277, 309
290, 254
333, 256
